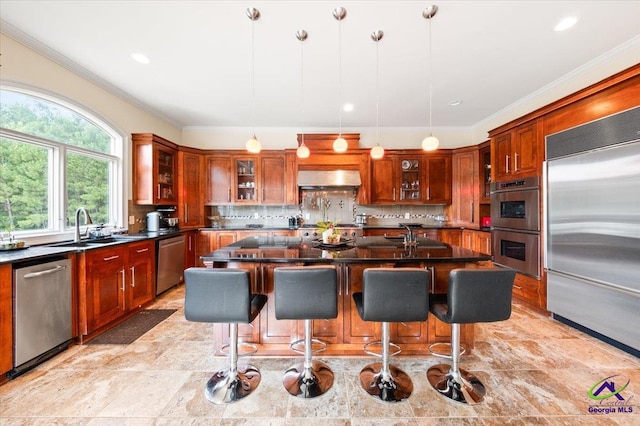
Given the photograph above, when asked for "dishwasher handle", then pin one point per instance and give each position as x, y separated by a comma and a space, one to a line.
45, 272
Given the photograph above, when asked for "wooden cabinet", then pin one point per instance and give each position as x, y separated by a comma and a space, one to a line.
530, 290
482, 242
437, 179
451, 236
6, 319
190, 189
411, 178
154, 170
245, 184
105, 286
114, 281
219, 179
190, 249
466, 200
272, 179
140, 287
517, 152
484, 156
355, 329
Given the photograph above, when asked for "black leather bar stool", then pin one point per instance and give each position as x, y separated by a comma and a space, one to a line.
307, 293
391, 295
474, 295
224, 296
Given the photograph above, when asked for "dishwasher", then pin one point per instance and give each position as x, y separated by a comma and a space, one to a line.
170, 263
42, 312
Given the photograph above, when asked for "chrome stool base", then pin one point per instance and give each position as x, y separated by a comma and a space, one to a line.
225, 387
308, 382
443, 349
464, 388
395, 388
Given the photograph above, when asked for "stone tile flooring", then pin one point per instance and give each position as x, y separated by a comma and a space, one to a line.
536, 370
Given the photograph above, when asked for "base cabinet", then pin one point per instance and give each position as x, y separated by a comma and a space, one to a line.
6, 319
114, 281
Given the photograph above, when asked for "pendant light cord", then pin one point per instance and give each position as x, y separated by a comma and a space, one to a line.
253, 74
340, 75
430, 83
377, 93
302, 87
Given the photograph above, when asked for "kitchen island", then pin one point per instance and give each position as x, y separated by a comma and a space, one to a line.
347, 333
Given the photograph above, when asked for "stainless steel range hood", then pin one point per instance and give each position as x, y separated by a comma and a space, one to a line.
317, 179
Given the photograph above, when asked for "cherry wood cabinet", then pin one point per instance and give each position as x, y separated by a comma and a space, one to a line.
466, 200
451, 236
114, 281
272, 181
482, 242
518, 152
411, 178
190, 249
219, 179
6, 319
154, 170
190, 189
105, 286
484, 156
141, 267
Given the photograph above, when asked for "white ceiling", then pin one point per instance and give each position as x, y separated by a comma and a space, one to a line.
488, 54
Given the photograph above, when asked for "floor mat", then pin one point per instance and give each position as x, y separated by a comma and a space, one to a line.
134, 327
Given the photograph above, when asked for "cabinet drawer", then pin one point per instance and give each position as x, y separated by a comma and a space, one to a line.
527, 288
141, 251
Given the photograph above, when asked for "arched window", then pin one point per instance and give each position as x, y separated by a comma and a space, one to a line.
54, 158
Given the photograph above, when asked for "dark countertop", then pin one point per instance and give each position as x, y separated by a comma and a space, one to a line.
57, 249
365, 249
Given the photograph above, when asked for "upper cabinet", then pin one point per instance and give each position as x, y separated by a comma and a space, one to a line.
411, 178
485, 172
154, 170
465, 206
234, 178
190, 189
219, 179
517, 152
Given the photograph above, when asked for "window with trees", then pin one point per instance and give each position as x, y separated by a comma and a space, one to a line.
54, 158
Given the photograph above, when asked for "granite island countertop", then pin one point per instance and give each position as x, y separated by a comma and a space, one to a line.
359, 250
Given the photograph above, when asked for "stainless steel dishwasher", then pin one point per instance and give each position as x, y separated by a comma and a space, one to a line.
42, 312
170, 266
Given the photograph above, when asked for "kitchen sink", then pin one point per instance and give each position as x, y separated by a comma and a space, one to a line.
98, 241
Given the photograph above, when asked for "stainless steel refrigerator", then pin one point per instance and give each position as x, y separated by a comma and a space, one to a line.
592, 218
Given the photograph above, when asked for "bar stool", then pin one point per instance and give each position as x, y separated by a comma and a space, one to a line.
390, 295
224, 296
307, 293
474, 295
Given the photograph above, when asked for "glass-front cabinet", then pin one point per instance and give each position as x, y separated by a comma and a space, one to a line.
410, 178
154, 170
245, 177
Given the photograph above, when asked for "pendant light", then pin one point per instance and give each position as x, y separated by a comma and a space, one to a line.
340, 144
303, 150
377, 152
253, 144
430, 143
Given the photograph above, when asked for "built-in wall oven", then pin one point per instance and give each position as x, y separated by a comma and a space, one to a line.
515, 220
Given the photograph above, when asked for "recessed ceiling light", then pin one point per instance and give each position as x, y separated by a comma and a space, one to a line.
140, 58
565, 23
347, 107
455, 102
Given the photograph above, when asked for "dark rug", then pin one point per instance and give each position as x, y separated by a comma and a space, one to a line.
134, 327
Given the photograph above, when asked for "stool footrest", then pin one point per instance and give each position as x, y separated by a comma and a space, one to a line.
443, 349
295, 345
252, 349
379, 342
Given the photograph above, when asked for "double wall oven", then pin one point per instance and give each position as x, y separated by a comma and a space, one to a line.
515, 219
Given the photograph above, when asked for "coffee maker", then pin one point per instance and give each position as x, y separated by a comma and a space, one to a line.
163, 219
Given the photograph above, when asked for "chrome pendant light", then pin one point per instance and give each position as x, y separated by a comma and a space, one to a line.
377, 152
303, 150
340, 144
253, 144
430, 143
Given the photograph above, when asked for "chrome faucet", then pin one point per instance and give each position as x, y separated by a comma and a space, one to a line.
87, 221
409, 233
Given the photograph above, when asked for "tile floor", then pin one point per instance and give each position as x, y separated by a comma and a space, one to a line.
536, 370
